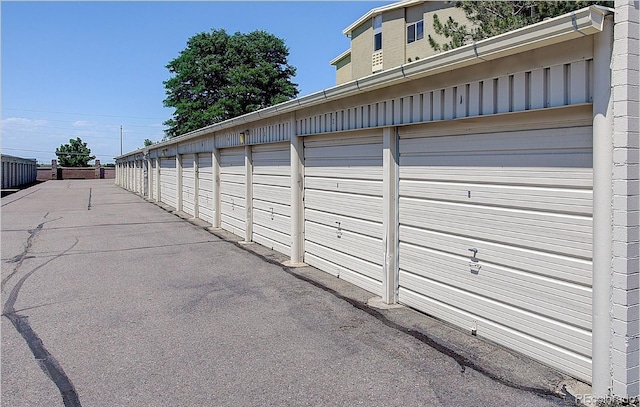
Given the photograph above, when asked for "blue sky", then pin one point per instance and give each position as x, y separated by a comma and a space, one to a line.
82, 69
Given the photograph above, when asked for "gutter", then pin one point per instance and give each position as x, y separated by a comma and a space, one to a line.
587, 21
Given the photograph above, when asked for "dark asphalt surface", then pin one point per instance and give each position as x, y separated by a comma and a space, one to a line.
125, 304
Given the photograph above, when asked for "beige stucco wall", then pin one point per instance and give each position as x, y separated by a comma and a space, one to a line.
361, 49
343, 70
393, 42
395, 49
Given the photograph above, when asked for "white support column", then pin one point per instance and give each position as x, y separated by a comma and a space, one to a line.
157, 196
625, 275
248, 168
297, 195
390, 214
178, 181
602, 215
196, 186
217, 203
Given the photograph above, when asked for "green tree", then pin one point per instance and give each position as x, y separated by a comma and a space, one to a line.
491, 18
220, 76
74, 154
147, 142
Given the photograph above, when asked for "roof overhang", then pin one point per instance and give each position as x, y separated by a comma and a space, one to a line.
586, 21
340, 57
379, 10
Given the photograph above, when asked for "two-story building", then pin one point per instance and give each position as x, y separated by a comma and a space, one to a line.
390, 36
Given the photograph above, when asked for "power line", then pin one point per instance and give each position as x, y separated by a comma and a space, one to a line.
94, 123
83, 114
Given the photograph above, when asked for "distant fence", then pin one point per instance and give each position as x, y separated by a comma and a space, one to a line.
17, 171
54, 172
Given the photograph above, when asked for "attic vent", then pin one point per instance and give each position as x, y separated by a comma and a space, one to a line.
376, 61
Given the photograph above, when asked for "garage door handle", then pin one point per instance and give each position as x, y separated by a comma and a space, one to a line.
474, 251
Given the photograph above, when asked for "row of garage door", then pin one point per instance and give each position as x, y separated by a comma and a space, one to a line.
494, 227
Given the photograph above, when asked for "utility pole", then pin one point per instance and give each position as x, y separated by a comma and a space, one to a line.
120, 139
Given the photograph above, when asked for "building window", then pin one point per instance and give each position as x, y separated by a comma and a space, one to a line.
377, 32
415, 31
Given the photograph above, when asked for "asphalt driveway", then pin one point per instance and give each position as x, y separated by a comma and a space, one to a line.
109, 300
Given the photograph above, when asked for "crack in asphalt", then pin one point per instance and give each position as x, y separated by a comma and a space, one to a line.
20, 257
89, 205
17, 199
47, 362
461, 360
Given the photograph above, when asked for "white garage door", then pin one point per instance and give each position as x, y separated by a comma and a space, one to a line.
153, 190
232, 190
496, 235
205, 187
272, 196
343, 207
168, 184
188, 184
140, 177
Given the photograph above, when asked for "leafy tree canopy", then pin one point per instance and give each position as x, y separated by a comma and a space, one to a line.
74, 154
491, 18
147, 142
220, 76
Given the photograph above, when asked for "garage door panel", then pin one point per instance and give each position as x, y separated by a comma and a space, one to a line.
271, 189
363, 227
339, 262
233, 211
340, 171
553, 234
273, 236
551, 177
269, 193
205, 187
283, 181
558, 300
546, 352
232, 178
343, 206
564, 268
259, 238
232, 189
545, 199
349, 186
353, 205
364, 152
523, 200
188, 184
272, 207
574, 339
154, 184
233, 202
168, 182
279, 223
477, 146
278, 155
355, 244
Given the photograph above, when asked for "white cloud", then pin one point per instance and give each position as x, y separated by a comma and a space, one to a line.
21, 122
81, 123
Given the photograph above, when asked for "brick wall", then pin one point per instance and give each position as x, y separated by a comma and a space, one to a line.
625, 298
